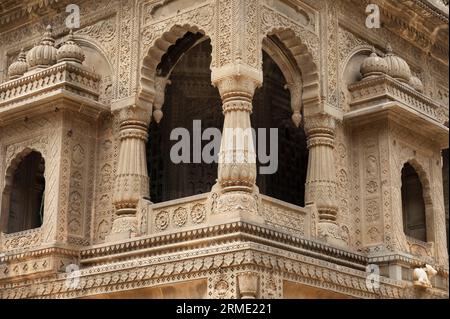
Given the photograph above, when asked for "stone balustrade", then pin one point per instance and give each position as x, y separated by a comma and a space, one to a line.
64, 80
21, 241
384, 89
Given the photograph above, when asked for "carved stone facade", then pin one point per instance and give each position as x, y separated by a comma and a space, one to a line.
366, 101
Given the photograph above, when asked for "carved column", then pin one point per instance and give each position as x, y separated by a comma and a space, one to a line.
237, 157
321, 186
132, 182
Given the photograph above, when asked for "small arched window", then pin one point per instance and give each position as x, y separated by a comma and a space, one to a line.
25, 195
414, 217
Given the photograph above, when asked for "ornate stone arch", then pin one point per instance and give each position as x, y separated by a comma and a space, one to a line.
426, 192
13, 161
151, 85
303, 53
291, 74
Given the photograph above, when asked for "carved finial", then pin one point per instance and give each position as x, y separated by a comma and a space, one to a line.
19, 67
389, 49
374, 52
47, 39
297, 118
373, 66
71, 37
70, 50
398, 68
22, 56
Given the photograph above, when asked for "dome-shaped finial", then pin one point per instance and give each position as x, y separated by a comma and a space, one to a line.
416, 84
18, 68
70, 51
373, 66
44, 54
397, 67
389, 49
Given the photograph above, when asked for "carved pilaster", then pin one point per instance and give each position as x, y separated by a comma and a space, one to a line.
248, 285
132, 177
321, 183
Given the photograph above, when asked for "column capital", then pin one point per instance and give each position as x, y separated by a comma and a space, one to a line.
236, 81
320, 122
130, 109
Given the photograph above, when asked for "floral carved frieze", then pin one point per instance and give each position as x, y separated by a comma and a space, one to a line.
286, 217
22, 240
178, 214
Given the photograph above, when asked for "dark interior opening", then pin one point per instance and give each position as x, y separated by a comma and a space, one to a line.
272, 109
414, 217
26, 198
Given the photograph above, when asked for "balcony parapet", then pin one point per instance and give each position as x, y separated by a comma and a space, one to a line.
65, 80
195, 212
21, 240
384, 95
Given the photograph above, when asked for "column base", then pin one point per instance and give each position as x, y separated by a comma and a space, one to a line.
124, 227
235, 206
331, 233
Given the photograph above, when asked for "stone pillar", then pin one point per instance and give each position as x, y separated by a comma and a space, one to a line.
321, 186
237, 157
132, 182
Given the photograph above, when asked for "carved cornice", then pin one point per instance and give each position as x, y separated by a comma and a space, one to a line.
419, 22
151, 245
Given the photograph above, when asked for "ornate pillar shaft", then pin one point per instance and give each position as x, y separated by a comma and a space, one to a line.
236, 186
321, 186
132, 182
237, 158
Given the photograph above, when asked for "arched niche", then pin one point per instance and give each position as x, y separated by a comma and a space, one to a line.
417, 205
149, 86
24, 193
351, 72
96, 61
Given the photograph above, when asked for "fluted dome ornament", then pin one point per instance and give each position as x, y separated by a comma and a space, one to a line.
70, 51
19, 67
416, 84
373, 66
44, 54
397, 67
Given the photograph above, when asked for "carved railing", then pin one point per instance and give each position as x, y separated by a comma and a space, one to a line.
64, 75
383, 89
420, 249
21, 240
177, 214
286, 217
192, 212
